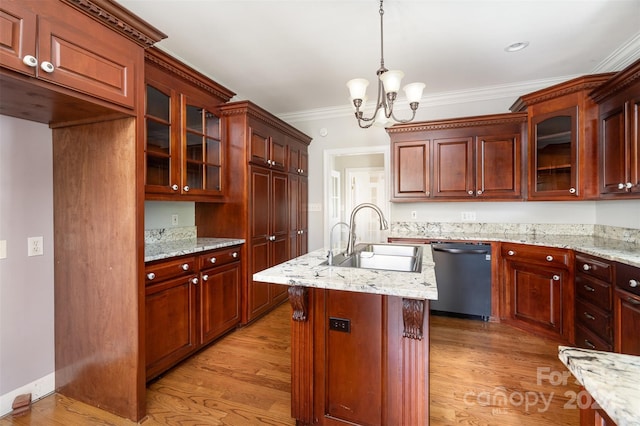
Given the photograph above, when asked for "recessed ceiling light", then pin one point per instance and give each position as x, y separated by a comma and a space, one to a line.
516, 46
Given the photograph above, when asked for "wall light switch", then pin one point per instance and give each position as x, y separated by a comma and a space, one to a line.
174, 220
414, 214
34, 246
3, 249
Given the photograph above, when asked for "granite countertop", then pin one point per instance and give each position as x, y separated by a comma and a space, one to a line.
611, 379
165, 249
307, 271
606, 248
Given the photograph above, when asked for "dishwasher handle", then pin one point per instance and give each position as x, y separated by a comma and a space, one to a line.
460, 251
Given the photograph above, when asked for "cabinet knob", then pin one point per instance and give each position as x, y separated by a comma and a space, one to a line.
186, 188
629, 185
479, 192
556, 277
194, 280
174, 187
212, 260
234, 254
470, 192
205, 277
511, 252
47, 67
589, 316
30, 61
151, 276
185, 266
549, 258
633, 283
272, 238
572, 190
586, 267
269, 162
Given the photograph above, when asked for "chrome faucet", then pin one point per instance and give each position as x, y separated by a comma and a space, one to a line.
352, 227
330, 254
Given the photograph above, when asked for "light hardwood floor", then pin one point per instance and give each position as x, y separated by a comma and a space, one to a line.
481, 374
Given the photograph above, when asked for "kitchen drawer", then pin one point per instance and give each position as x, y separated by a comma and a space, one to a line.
540, 254
585, 338
219, 257
628, 278
593, 291
594, 267
594, 319
163, 269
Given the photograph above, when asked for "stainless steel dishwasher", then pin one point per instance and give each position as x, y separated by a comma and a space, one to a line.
463, 276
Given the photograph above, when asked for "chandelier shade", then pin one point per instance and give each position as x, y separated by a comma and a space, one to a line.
389, 83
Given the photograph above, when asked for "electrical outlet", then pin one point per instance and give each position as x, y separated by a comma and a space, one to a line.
34, 246
3, 249
340, 324
414, 214
468, 216
174, 220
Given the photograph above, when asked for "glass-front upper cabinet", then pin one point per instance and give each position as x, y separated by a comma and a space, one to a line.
184, 151
554, 154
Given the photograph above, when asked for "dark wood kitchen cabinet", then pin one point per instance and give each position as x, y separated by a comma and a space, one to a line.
537, 289
619, 132
184, 150
265, 203
471, 158
593, 302
563, 140
626, 308
189, 302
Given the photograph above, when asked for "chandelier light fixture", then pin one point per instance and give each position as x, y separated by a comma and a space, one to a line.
388, 87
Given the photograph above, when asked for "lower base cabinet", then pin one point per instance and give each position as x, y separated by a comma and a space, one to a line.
626, 306
189, 302
591, 416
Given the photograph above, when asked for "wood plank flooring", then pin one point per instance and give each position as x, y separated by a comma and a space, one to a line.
481, 374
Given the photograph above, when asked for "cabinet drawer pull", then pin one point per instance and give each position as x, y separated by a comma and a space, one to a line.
30, 61
633, 283
586, 267
588, 343
589, 288
572, 190
470, 192
151, 276
511, 252
234, 254
205, 277
633, 301
556, 277
213, 260
589, 316
549, 258
47, 67
194, 280
185, 266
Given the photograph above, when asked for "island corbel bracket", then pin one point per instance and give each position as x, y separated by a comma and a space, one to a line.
298, 297
413, 318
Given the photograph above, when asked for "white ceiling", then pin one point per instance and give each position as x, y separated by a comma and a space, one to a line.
295, 56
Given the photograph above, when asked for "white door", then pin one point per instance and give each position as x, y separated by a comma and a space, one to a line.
367, 185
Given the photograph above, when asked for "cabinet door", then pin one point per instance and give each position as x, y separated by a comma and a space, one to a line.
162, 148
612, 152
634, 145
219, 301
453, 163
278, 152
170, 324
17, 36
553, 167
202, 150
294, 215
411, 177
498, 172
627, 318
537, 298
101, 65
259, 145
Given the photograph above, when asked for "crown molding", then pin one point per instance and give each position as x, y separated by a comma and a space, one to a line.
622, 57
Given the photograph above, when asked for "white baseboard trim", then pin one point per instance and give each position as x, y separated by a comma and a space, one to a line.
38, 389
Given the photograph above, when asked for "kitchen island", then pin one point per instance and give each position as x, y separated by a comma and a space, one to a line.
360, 341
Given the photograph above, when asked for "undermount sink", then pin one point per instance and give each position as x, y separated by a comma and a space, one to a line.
388, 257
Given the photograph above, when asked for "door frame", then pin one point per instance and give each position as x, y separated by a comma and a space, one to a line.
329, 155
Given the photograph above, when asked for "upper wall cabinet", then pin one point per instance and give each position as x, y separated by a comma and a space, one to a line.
619, 126
45, 51
472, 158
184, 152
563, 142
